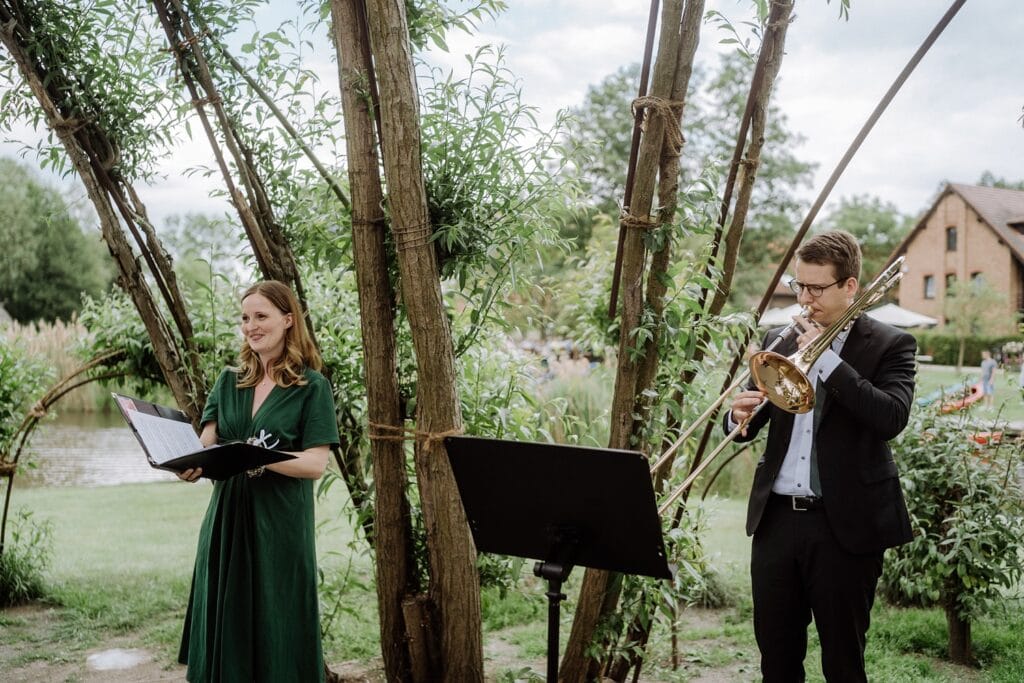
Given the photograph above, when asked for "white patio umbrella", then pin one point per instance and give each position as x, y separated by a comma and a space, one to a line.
894, 315
774, 317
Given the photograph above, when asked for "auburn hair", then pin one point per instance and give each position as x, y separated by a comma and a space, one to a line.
836, 247
299, 350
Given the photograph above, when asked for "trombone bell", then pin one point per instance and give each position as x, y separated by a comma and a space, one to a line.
783, 382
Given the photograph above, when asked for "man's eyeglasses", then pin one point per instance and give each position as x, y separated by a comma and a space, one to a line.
813, 290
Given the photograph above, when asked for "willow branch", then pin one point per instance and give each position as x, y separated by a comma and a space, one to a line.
328, 177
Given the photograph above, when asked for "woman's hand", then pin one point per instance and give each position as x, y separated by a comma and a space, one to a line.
191, 475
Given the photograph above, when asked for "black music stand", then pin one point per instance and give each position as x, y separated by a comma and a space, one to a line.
562, 505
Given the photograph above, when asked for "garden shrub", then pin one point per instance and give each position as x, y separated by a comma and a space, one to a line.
22, 379
944, 347
965, 504
24, 559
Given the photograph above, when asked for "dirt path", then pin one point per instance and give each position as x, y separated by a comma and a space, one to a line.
29, 630
116, 660
705, 655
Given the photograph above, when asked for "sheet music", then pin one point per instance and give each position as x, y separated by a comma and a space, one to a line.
165, 439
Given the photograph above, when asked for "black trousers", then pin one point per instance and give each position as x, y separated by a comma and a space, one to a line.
798, 570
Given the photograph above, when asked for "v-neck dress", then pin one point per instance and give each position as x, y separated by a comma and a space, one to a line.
253, 613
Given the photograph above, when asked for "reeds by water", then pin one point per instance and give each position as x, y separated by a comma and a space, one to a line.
55, 343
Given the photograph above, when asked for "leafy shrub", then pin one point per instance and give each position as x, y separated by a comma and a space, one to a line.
24, 559
944, 347
114, 324
21, 383
54, 345
965, 509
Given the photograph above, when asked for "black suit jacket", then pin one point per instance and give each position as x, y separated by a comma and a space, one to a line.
865, 403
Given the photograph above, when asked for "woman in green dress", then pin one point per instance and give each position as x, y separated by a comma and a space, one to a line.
253, 612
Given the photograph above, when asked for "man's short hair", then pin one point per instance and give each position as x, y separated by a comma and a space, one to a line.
836, 247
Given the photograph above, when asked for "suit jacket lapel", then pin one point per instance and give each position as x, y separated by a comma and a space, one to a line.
857, 344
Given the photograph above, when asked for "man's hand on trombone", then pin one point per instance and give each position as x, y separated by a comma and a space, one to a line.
743, 406
745, 402
810, 330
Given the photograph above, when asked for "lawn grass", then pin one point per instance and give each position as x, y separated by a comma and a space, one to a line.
1009, 405
122, 564
123, 558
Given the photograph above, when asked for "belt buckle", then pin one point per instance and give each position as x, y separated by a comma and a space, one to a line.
794, 500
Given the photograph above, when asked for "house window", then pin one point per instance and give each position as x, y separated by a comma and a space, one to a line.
929, 286
951, 238
978, 277
950, 281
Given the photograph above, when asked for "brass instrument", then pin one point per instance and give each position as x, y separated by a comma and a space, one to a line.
783, 379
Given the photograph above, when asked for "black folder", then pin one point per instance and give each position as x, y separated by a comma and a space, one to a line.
221, 461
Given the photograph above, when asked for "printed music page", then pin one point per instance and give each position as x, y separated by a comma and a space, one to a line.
165, 439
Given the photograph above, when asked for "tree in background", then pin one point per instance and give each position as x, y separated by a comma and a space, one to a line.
973, 308
714, 108
204, 246
603, 129
49, 261
775, 212
989, 179
877, 224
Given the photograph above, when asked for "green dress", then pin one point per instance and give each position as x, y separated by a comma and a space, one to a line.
253, 613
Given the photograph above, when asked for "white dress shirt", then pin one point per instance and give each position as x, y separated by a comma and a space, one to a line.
794, 477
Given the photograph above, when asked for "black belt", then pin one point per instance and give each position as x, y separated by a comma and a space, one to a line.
801, 503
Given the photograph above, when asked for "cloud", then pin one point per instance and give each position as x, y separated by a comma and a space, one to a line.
956, 116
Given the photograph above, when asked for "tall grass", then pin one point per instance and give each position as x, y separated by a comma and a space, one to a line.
55, 344
577, 400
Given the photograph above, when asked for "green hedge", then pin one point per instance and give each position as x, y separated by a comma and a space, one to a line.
944, 347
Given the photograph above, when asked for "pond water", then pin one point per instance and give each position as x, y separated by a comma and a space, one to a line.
85, 449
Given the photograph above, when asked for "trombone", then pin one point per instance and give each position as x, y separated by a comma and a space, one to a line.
783, 379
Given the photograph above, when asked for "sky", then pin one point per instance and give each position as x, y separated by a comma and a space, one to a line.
956, 117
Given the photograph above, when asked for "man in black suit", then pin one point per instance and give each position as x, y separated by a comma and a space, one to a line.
826, 499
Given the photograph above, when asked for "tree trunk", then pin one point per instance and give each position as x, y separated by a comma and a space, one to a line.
48, 84
959, 637
639, 631
392, 526
599, 591
668, 199
454, 587
769, 63
756, 95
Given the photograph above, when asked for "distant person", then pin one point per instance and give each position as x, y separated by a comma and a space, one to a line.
988, 369
253, 612
1020, 380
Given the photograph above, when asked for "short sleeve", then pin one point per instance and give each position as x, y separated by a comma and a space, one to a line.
212, 409
320, 425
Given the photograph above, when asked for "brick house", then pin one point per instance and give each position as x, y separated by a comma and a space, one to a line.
968, 232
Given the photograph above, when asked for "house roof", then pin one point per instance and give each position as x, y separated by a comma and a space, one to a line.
998, 207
